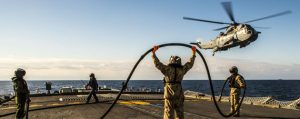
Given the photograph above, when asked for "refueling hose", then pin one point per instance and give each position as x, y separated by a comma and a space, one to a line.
220, 98
52, 107
207, 71
7, 100
244, 92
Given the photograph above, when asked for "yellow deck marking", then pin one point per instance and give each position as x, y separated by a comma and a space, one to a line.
8, 108
56, 104
134, 103
35, 105
14, 107
74, 103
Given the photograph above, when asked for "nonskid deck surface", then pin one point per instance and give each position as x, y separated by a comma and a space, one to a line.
259, 101
134, 106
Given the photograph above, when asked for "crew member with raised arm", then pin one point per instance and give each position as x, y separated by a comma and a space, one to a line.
173, 75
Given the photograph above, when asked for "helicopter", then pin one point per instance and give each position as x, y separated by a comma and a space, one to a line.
236, 34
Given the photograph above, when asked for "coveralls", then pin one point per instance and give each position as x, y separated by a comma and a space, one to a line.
173, 93
94, 85
22, 94
236, 82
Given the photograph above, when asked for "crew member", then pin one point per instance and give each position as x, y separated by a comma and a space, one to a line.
236, 83
94, 85
21, 91
173, 75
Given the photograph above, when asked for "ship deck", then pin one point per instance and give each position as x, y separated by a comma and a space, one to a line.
73, 107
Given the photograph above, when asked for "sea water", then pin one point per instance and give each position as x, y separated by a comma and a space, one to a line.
278, 89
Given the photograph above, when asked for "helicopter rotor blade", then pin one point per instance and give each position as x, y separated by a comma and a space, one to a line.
262, 27
202, 20
228, 8
270, 16
218, 29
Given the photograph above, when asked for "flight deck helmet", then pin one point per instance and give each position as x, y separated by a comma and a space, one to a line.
233, 70
92, 75
175, 60
20, 72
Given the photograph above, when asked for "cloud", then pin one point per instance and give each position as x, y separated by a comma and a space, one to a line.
253, 69
118, 69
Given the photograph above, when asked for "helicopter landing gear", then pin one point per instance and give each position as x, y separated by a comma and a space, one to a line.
214, 51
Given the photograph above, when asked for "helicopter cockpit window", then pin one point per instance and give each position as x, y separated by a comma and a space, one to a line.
230, 29
221, 33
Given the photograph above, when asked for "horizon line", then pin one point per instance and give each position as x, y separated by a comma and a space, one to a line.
133, 79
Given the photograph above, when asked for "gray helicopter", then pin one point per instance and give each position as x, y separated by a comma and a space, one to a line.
236, 34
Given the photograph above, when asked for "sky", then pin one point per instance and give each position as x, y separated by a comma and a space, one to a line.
68, 39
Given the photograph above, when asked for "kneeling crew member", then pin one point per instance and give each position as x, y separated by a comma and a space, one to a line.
173, 93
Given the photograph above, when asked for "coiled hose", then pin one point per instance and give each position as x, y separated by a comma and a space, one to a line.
207, 71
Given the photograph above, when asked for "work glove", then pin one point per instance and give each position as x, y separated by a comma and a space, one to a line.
155, 48
194, 50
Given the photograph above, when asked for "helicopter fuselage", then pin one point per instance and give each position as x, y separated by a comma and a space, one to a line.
235, 35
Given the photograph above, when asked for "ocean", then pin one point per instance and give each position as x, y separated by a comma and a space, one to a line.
278, 89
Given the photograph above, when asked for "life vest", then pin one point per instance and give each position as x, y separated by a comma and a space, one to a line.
175, 66
232, 82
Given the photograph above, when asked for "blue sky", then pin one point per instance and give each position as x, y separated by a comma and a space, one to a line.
67, 37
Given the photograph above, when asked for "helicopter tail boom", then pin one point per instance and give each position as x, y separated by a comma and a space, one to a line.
197, 44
